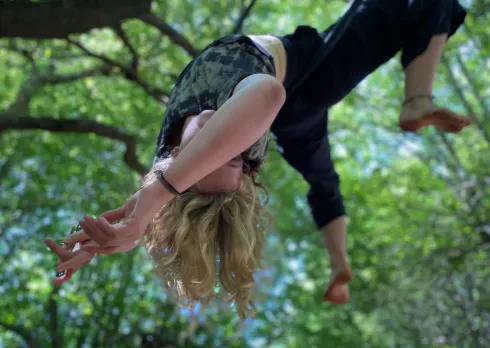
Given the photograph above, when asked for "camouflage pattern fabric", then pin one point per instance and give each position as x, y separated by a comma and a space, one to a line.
208, 82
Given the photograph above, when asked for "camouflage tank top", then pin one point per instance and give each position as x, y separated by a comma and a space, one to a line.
208, 82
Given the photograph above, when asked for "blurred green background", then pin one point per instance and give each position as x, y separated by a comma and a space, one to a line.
419, 227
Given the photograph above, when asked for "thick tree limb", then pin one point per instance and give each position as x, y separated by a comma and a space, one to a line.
14, 122
58, 19
167, 30
243, 17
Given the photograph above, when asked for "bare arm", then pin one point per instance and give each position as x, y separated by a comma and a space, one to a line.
239, 123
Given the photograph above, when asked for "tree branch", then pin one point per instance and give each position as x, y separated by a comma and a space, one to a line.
474, 86
167, 30
36, 81
58, 19
243, 17
5, 169
56, 79
122, 35
130, 74
460, 94
12, 45
105, 59
451, 150
56, 338
14, 122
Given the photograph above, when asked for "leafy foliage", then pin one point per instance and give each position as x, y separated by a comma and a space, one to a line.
419, 210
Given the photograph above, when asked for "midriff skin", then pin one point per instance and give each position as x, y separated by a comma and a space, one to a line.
275, 48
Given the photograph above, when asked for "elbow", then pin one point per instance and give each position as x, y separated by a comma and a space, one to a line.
267, 91
272, 92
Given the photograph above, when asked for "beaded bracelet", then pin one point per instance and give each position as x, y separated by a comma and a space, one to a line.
412, 98
165, 183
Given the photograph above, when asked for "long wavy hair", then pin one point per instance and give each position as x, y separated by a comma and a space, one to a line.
196, 239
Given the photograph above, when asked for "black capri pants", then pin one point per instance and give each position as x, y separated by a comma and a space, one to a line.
379, 30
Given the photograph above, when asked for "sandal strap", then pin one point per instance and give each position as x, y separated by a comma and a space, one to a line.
413, 97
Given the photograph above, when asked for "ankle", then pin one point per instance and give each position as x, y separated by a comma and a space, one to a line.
409, 99
339, 263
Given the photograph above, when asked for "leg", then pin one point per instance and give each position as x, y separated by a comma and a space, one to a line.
418, 110
335, 237
420, 73
380, 29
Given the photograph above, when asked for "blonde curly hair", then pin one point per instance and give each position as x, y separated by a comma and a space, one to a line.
196, 239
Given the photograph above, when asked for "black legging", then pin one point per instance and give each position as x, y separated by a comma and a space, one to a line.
379, 30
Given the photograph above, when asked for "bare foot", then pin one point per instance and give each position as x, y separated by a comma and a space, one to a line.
421, 112
338, 287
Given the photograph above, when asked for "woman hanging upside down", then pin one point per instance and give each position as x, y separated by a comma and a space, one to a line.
198, 213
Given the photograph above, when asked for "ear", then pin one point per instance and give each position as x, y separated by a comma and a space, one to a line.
175, 152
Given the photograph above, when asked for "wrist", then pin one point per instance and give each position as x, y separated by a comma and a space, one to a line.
158, 194
151, 198
168, 186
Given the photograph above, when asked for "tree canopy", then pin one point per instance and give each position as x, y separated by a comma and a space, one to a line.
83, 88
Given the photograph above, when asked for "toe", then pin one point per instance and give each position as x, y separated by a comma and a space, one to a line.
338, 289
450, 122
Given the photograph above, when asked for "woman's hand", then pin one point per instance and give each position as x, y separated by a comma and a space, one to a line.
134, 216
65, 256
72, 261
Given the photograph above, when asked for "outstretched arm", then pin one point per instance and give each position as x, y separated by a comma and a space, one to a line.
239, 123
